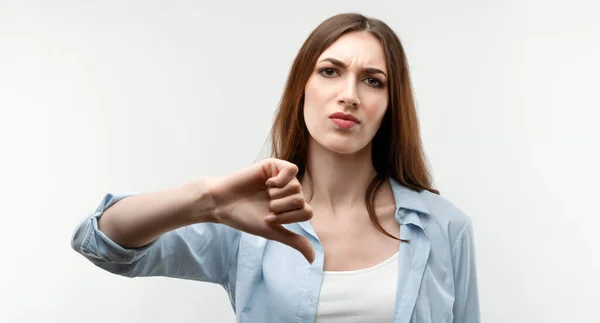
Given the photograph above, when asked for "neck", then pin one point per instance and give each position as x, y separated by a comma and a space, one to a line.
339, 181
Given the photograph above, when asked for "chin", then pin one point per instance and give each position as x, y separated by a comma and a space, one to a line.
343, 146
341, 150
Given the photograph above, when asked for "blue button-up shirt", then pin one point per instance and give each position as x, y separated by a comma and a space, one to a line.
270, 282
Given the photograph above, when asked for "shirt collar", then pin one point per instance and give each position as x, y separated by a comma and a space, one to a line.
407, 198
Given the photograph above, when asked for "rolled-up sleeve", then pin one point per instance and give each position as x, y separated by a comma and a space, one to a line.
466, 302
203, 251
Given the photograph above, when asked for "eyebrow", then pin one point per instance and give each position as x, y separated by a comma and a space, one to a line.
337, 62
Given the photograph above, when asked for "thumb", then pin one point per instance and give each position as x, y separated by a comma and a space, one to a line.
295, 241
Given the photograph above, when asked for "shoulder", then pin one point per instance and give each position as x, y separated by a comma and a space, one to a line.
436, 215
445, 215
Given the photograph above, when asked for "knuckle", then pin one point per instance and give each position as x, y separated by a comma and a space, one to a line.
298, 200
272, 191
309, 214
272, 205
296, 187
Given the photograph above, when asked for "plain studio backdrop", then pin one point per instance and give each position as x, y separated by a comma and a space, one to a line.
113, 96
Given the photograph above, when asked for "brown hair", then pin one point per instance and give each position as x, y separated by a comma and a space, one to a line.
396, 148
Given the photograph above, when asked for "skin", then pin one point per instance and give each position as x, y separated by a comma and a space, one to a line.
340, 159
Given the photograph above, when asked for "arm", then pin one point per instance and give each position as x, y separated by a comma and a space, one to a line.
168, 233
466, 295
140, 219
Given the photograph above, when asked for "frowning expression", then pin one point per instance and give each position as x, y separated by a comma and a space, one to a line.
350, 77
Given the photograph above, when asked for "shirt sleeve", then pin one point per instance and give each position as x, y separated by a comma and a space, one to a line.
466, 300
203, 251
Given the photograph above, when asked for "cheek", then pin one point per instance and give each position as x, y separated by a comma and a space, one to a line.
311, 103
313, 93
377, 107
315, 100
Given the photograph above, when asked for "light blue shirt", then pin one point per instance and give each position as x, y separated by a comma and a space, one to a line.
270, 282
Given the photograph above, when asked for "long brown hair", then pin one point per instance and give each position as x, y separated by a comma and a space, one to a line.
396, 148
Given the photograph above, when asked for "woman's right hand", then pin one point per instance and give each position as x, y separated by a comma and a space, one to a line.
268, 188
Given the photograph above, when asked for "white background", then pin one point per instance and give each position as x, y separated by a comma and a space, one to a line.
110, 96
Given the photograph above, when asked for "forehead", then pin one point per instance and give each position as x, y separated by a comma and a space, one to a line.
359, 48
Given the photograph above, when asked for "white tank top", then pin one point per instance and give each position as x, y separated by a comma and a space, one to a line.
358, 296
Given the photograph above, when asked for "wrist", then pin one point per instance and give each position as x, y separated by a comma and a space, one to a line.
203, 204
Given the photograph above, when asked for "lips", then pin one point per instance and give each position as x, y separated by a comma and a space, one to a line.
344, 124
343, 116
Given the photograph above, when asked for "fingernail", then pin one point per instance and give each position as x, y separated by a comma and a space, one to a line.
270, 218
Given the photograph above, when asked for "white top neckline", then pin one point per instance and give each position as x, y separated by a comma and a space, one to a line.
363, 270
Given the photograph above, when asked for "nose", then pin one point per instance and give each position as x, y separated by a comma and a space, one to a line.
349, 95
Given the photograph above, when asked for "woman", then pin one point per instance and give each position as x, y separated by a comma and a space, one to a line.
373, 243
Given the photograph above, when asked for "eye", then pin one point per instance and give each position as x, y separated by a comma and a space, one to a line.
327, 72
374, 82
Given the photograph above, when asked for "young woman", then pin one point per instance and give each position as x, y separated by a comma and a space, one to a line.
374, 242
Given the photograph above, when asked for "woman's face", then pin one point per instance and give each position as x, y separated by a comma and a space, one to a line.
349, 77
